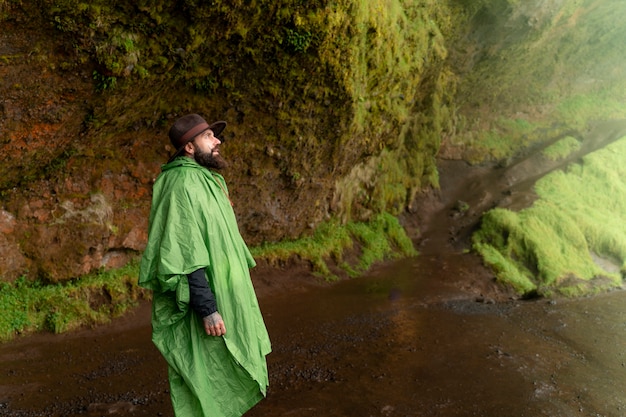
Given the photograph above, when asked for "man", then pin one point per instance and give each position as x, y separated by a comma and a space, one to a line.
206, 319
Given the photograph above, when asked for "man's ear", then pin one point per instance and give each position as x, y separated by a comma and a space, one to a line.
189, 148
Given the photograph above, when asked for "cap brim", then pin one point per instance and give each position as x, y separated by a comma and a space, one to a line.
218, 127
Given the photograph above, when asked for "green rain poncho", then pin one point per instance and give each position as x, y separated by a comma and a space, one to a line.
193, 226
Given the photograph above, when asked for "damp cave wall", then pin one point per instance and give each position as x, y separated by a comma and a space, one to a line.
335, 109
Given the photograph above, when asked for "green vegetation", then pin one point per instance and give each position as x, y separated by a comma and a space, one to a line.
551, 246
397, 122
378, 240
95, 299
562, 148
104, 83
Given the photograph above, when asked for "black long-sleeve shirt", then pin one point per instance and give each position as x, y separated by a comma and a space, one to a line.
201, 298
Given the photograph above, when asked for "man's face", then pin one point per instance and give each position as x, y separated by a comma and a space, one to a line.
206, 151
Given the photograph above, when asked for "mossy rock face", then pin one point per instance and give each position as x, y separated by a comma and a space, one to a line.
312, 91
572, 240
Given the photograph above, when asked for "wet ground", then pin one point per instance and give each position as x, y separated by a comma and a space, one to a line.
399, 342
428, 336
391, 345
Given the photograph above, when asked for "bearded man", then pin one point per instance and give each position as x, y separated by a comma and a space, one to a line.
206, 320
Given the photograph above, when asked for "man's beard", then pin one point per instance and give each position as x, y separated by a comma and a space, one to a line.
209, 159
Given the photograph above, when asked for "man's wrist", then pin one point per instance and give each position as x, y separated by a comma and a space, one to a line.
213, 319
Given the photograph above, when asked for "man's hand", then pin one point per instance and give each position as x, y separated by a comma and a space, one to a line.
214, 325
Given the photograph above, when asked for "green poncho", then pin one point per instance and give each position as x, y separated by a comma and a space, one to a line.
192, 226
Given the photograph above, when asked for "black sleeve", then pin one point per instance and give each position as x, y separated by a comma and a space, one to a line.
201, 298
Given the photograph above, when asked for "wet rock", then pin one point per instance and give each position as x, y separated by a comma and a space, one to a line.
7, 222
13, 262
136, 239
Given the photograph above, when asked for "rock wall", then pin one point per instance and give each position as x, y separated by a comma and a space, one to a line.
335, 109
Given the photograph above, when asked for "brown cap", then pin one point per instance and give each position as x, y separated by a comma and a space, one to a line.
188, 127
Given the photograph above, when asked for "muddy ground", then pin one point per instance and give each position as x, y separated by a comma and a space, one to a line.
433, 335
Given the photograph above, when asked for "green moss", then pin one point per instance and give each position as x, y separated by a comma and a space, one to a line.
562, 148
549, 247
329, 241
604, 104
94, 299
383, 238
